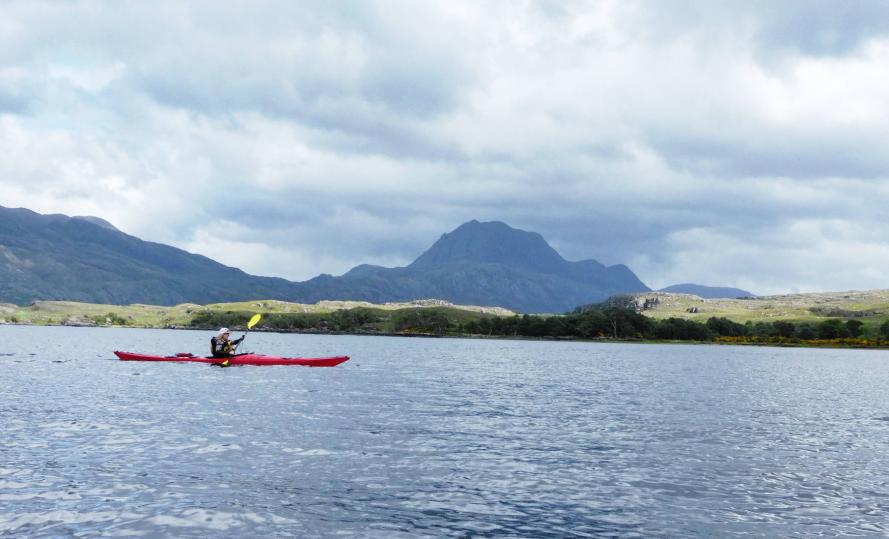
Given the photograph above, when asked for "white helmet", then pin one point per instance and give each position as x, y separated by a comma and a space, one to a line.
222, 331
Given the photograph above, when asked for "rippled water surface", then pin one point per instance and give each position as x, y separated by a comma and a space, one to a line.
439, 437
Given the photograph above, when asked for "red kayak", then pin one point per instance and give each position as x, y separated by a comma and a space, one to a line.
240, 359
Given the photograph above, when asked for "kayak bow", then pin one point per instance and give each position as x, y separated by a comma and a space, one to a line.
240, 359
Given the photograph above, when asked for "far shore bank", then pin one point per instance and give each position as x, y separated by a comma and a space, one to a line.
619, 319
862, 344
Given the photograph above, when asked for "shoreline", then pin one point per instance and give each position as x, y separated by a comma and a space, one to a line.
602, 340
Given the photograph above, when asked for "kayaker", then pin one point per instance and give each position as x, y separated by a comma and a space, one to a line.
221, 346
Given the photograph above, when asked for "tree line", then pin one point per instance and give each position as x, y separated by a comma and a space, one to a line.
621, 323
604, 322
429, 320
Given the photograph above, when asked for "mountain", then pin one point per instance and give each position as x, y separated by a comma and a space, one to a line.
483, 264
494, 243
707, 292
96, 221
74, 258
46, 257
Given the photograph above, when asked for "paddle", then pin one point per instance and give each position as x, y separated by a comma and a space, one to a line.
253, 321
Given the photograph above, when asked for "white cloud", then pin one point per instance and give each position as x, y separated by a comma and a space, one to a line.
812, 250
705, 142
92, 79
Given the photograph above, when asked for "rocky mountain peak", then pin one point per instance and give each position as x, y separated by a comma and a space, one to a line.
491, 242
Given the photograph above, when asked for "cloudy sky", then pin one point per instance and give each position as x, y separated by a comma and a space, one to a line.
724, 143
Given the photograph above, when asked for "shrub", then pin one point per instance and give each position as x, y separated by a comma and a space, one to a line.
212, 319
725, 327
783, 328
116, 320
832, 329
424, 320
855, 327
806, 332
681, 329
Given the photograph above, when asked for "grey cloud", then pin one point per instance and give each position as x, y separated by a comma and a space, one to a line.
758, 154
363, 89
346, 226
344, 67
381, 118
13, 102
821, 27
350, 132
19, 94
775, 27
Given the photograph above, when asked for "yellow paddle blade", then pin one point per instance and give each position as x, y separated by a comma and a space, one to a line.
253, 321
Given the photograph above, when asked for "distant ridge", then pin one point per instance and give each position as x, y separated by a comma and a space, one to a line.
56, 257
96, 221
495, 243
483, 264
708, 292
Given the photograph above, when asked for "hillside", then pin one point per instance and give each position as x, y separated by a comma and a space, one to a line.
483, 264
55, 257
159, 316
86, 259
869, 306
859, 319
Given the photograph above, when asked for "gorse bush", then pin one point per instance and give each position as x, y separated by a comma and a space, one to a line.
218, 319
421, 321
110, 318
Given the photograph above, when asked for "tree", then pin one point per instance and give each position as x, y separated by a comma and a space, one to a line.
785, 329
626, 323
726, 328
680, 329
427, 321
855, 327
884, 330
806, 332
556, 327
762, 329
832, 329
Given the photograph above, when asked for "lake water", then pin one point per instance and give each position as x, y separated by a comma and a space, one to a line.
439, 437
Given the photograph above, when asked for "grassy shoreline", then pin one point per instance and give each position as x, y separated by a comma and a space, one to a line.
157, 316
432, 318
812, 344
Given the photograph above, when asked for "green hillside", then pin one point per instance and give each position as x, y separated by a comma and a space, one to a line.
858, 319
432, 316
870, 306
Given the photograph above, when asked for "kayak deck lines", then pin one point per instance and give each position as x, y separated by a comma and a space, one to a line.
240, 359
